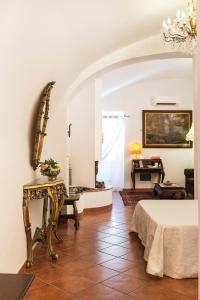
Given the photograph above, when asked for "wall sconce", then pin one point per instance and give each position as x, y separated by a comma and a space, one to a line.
69, 129
136, 149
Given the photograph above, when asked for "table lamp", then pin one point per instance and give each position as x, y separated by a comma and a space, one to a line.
136, 149
190, 134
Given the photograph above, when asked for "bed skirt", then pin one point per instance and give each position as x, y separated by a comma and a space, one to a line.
168, 229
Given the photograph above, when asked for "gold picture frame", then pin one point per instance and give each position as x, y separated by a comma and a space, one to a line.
166, 128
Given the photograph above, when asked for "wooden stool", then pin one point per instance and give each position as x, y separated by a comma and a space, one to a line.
71, 200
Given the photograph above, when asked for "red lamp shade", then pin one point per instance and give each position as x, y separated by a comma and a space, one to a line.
136, 148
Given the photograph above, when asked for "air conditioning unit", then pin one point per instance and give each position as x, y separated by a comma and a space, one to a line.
165, 101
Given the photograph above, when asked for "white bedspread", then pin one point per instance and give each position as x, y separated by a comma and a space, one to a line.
169, 231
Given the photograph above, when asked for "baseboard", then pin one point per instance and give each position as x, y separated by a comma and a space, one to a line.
88, 211
138, 190
97, 209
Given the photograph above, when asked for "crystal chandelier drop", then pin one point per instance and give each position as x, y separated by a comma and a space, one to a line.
181, 33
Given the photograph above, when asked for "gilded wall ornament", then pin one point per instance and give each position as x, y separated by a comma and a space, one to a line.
41, 124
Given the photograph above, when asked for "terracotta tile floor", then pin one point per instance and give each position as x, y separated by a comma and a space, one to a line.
102, 260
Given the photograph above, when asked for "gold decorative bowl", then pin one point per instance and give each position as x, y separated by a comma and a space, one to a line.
51, 173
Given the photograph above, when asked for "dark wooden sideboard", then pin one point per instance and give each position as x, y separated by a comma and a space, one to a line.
146, 167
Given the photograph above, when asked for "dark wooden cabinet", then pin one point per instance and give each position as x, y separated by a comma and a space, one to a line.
189, 182
147, 167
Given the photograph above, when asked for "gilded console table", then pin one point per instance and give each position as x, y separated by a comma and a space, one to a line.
55, 193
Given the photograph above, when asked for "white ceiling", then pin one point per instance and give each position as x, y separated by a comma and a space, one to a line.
78, 31
155, 69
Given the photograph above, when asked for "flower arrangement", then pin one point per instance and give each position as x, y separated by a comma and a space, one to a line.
49, 168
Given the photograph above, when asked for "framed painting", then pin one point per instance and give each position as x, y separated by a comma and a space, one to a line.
166, 128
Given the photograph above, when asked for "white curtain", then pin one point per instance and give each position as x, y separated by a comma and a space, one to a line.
111, 167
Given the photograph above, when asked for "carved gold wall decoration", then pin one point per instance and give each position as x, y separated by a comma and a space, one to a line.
41, 123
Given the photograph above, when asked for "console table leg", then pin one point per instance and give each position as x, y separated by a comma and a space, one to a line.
52, 223
27, 225
77, 224
44, 218
133, 179
60, 205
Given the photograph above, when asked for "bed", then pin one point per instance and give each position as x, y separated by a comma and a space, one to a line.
168, 229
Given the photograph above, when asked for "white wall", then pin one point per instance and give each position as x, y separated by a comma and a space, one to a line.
40, 42
197, 122
98, 120
27, 65
15, 123
135, 98
81, 114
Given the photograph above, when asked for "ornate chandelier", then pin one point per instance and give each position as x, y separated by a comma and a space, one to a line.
181, 32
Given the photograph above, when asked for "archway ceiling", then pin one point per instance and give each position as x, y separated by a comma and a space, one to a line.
153, 69
79, 31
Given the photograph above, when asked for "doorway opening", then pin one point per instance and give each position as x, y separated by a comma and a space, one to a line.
111, 167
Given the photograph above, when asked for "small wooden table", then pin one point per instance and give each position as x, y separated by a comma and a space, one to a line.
55, 192
147, 166
173, 191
